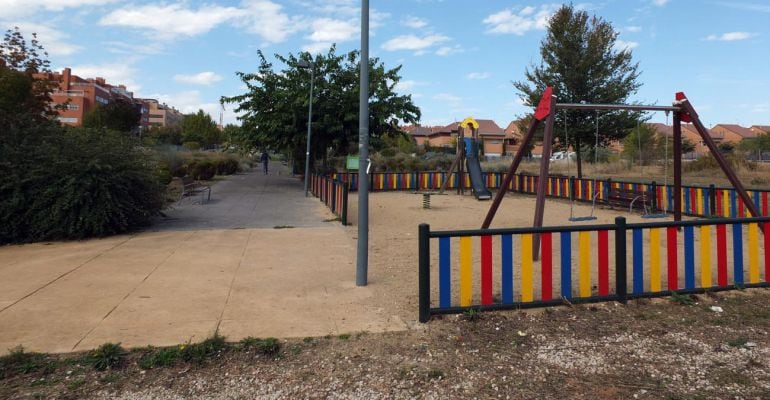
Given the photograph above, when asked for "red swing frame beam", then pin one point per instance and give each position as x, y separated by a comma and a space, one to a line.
546, 109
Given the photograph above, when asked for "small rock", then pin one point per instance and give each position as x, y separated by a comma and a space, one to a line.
716, 309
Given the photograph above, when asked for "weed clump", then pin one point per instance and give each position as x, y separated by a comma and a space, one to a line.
269, 346
107, 356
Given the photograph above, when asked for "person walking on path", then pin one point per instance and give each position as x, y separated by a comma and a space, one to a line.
264, 158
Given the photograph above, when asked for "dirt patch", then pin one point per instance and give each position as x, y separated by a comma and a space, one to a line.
645, 350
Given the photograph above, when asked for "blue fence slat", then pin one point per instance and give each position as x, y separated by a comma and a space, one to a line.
738, 254
689, 258
444, 273
566, 265
507, 268
638, 261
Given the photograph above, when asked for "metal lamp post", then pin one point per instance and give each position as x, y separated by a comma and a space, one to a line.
307, 65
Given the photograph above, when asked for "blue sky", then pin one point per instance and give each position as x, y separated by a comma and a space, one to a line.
459, 57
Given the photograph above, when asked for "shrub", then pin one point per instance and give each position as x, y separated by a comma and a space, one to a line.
227, 166
202, 170
191, 145
66, 183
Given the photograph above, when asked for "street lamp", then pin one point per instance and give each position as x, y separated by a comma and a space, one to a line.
304, 64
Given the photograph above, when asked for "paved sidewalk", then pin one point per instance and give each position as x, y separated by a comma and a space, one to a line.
190, 275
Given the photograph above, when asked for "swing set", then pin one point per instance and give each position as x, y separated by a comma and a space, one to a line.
546, 110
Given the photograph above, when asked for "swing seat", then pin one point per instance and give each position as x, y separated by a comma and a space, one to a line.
658, 215
577, 219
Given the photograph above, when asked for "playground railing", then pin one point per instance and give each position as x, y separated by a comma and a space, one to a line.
332, 193
697, 201
494, 269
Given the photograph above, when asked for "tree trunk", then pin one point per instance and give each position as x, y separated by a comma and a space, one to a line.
579, 159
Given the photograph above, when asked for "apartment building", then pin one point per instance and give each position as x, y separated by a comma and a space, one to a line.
161, 114
77, 96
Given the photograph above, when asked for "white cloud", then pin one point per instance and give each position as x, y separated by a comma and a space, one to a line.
659, 3
625, 45
115, 74
521, 22
632, 29
407, 85
413, 42
332, 30
52, 40
449, 50
172, 20
169, 21
452, 100
414, 22
730, 37
146, 48
745, 6
16, 8
202, 78
266, 19
317, 47
478, 75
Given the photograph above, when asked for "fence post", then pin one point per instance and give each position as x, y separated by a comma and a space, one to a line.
424, 272
571, 188
712, 200
654, 187
621, 289
520, 178
345, 190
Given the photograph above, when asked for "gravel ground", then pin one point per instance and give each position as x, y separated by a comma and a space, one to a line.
643, 350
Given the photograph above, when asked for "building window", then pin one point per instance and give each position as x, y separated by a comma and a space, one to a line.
67, 120
156, 115
71, 106
102, 100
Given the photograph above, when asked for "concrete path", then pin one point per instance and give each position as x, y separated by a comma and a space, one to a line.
216, 266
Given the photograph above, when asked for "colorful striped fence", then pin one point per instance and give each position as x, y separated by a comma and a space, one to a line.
494, 269
332, 193
696, 201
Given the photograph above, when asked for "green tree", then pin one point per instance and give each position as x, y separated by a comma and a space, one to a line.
274, 110
20, 92
120, 116
687, 146
756, 146
163, 135
201, 128
642, 145
581, 60
64, 183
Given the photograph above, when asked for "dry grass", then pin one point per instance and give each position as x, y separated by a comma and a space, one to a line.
753, 176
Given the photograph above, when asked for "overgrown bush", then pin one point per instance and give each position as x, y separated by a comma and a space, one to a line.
736, 162
227, 166
191, 145
67, 183
202, 170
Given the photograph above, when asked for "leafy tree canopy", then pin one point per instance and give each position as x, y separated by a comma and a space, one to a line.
274, 110
582, 61
120, 116
21, 94
202, 129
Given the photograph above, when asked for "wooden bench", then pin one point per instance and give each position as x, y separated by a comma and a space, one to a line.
631, 198
191, 187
